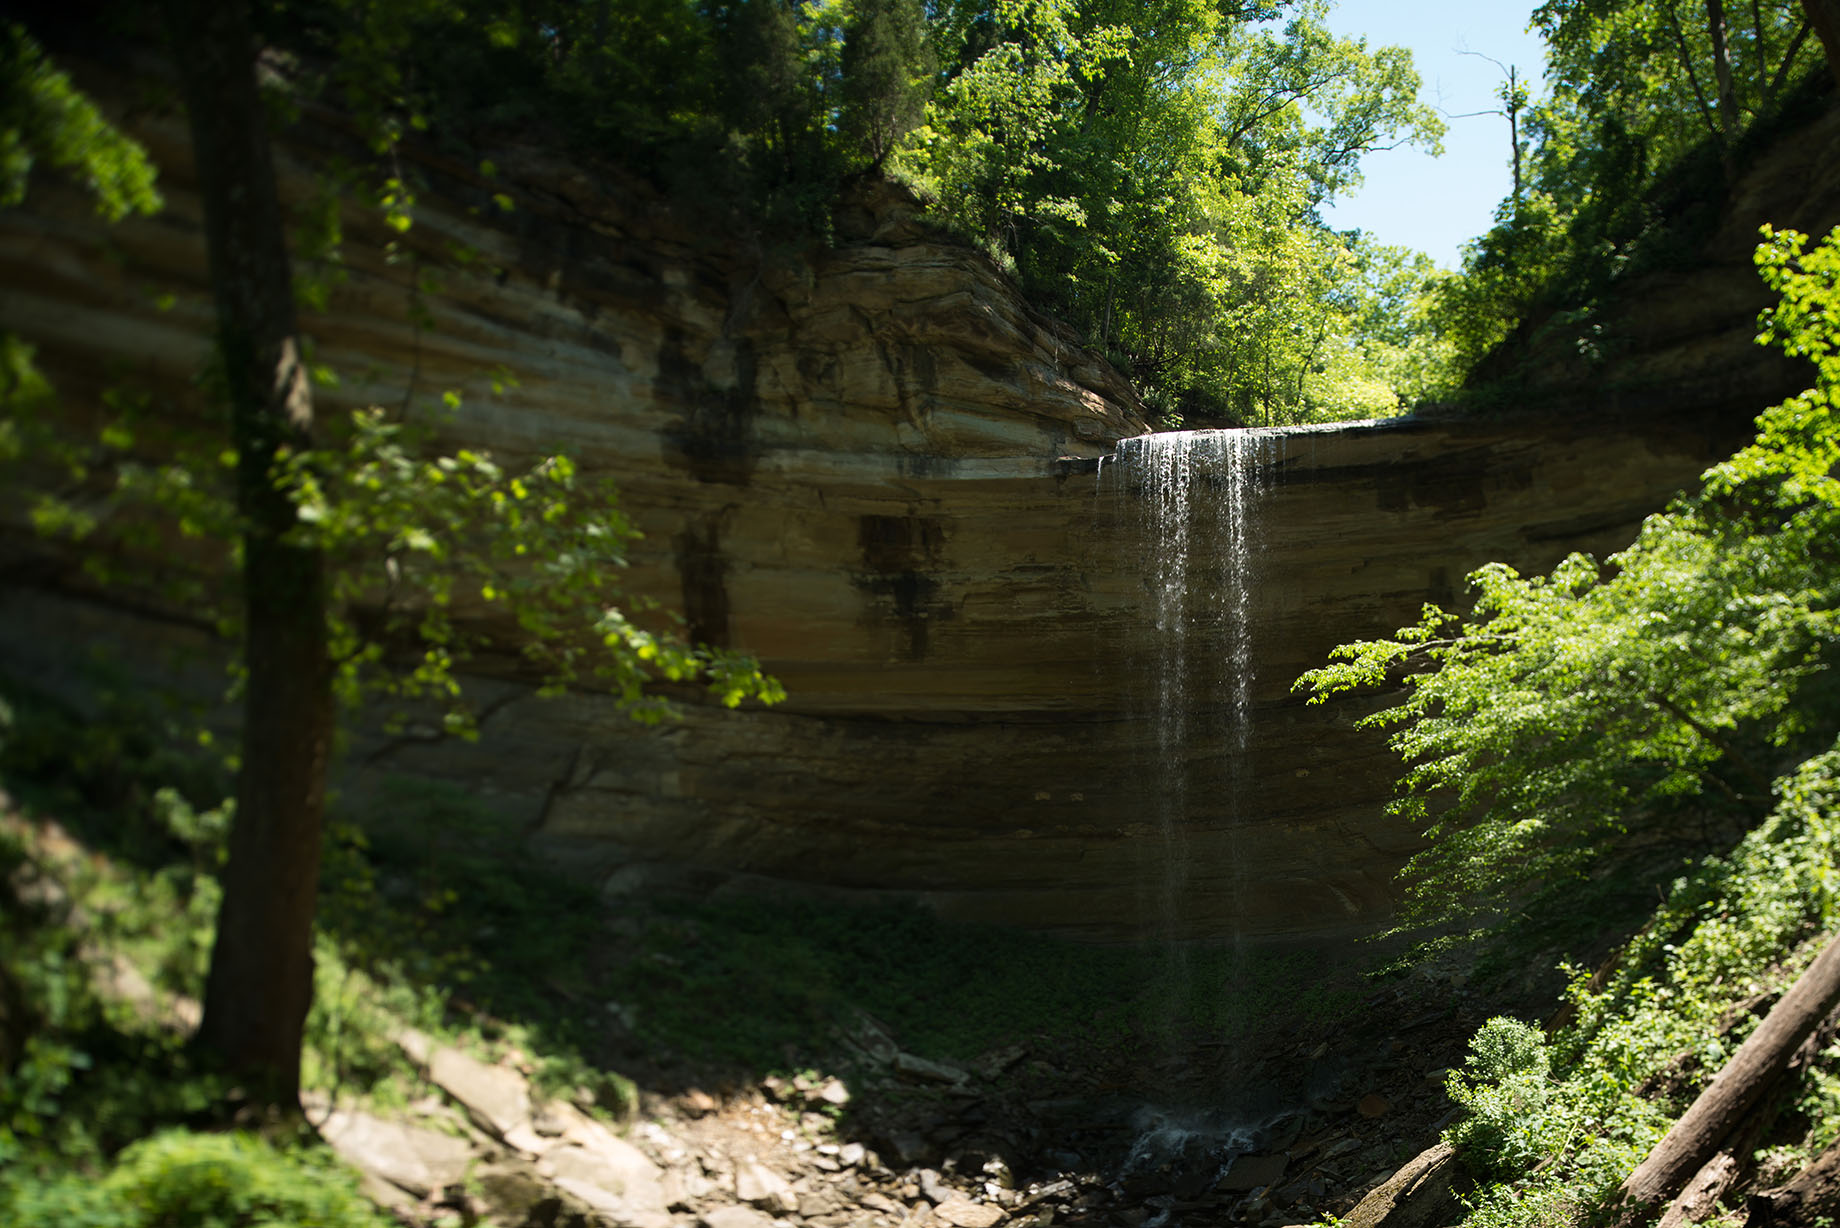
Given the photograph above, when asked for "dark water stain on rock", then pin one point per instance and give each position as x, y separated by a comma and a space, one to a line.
702, 569
713, 440
1439, 590
899, 555
1461, 484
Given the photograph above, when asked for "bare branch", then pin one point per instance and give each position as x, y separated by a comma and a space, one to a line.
1491, 59
1788, 60
1711, 735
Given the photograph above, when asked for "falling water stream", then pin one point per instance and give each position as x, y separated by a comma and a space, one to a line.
1195, 507
1199, 524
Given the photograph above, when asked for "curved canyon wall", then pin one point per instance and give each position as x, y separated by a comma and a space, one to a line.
874, 467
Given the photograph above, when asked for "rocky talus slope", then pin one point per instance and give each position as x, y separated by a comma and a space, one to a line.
483, 1125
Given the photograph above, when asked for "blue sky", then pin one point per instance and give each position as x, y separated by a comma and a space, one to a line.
1410, 198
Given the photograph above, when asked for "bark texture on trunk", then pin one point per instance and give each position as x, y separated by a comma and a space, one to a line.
1700, 1198
1813, 1195
261, 978
1514, 138
1824, 16
1721, 68
1423, 1194
1739, 1088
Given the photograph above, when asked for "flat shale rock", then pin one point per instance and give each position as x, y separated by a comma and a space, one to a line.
963, 1213
495, 1097
1254, 1172
735, 1217
623, 1172
413, 1159
757, 1184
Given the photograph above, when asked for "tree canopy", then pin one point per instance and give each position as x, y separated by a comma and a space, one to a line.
1155, 178
1152, 175
1640, 94
1570, 713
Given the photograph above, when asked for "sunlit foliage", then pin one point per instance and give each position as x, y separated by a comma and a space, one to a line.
1637, 91
1566, 712
435, 557
44, 118
1152, 175
1154, 178
1555, 1124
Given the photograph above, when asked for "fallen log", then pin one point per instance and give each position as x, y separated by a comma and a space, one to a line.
1731, 1167
1420, 1195
1813, 1195
1700, 1198
1703, 1129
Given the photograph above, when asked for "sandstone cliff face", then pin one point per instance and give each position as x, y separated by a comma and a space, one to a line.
876, 469
1679, 336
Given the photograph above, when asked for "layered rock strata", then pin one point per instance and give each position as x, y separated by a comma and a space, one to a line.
874, 467
1674, 332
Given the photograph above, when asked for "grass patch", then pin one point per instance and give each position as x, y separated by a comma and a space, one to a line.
198, 1180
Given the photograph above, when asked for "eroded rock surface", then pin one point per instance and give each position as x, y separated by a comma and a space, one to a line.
874, 467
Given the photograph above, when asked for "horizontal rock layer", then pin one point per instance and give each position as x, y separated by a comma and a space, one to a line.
1676, 331
876, 469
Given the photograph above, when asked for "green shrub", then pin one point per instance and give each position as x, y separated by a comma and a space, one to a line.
1554, 1127
179, 1179
1504, 1086
1507, 1048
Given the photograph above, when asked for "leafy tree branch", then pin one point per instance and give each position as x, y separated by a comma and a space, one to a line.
1535, 728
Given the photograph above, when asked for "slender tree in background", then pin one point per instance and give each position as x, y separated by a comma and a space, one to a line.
261, 978
1515, 99
886, 65
1721, 69
1636, 89
771, 97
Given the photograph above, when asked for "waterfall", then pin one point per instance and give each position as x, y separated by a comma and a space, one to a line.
1161, 463
1191, 504
1197, 518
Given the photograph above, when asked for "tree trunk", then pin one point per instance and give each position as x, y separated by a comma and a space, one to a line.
1703, 1129
1701, 1196
1514, 139
1760, 45
261, 978
1685, 54
1721, 68
1813, 1195
1824, 16
1423, 1194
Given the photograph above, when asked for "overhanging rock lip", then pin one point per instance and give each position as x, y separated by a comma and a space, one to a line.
905, 466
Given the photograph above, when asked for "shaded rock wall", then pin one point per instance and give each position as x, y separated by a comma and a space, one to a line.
1676, 333
874, 467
